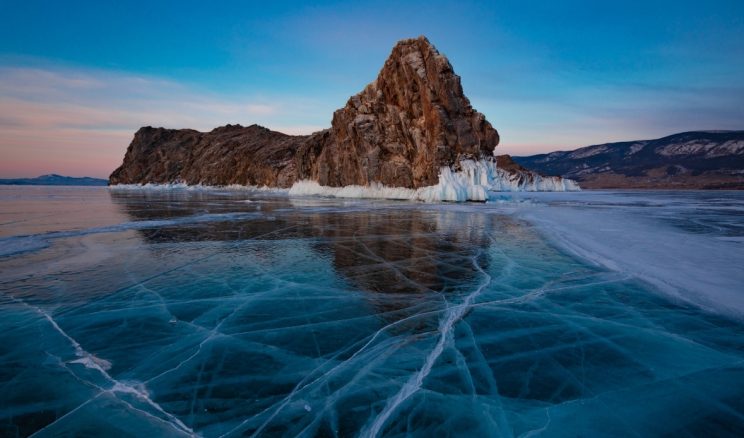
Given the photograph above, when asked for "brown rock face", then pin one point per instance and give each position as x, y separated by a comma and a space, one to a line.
412, 120
399, 131
230, 154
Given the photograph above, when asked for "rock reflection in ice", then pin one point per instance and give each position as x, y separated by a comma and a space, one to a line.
336, 318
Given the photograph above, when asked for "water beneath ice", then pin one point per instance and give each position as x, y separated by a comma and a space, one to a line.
219, 313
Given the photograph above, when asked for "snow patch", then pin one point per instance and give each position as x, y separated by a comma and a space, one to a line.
588, 151
636, 147
710, 149
627, 234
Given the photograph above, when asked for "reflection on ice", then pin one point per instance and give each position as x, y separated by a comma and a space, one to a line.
200, 314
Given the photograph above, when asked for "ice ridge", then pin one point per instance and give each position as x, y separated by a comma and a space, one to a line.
474, 181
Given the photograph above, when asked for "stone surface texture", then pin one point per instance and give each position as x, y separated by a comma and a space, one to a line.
399, 131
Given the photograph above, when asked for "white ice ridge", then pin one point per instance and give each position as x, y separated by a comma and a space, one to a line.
472, 182
194, 187
475, 180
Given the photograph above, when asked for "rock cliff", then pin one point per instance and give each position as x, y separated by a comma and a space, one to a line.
230, 154
403, 127
400, 131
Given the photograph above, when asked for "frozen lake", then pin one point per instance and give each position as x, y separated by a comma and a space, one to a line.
228, 313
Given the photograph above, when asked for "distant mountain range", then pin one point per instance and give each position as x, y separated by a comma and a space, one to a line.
689, 160
55, 180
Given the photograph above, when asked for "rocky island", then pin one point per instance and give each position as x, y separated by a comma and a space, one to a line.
412, 128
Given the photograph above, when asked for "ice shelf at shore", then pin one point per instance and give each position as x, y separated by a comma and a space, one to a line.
473, 182
195, 187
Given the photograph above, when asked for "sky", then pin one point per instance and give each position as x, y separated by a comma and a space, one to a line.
78, 78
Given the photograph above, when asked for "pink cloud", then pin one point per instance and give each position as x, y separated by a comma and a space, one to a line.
80, 122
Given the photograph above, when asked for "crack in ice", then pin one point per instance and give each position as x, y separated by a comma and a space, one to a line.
451, 317
91, 361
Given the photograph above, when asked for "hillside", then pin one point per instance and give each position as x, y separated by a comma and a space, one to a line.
54, 180
689, 160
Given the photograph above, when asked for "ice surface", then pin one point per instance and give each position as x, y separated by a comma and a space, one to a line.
19, 244
195, 313
687, 244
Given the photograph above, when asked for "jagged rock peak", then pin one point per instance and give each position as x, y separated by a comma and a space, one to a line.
414, 71
404, 126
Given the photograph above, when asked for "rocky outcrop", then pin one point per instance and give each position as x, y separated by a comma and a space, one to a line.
403, 127
231, 154
688, 160
400, 131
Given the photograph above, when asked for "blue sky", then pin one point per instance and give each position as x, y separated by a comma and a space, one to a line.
78, 78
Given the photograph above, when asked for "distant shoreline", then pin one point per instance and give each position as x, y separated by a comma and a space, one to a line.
583, 189
55, 180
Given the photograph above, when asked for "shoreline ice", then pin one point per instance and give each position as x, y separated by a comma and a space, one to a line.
194, 187
474, 182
